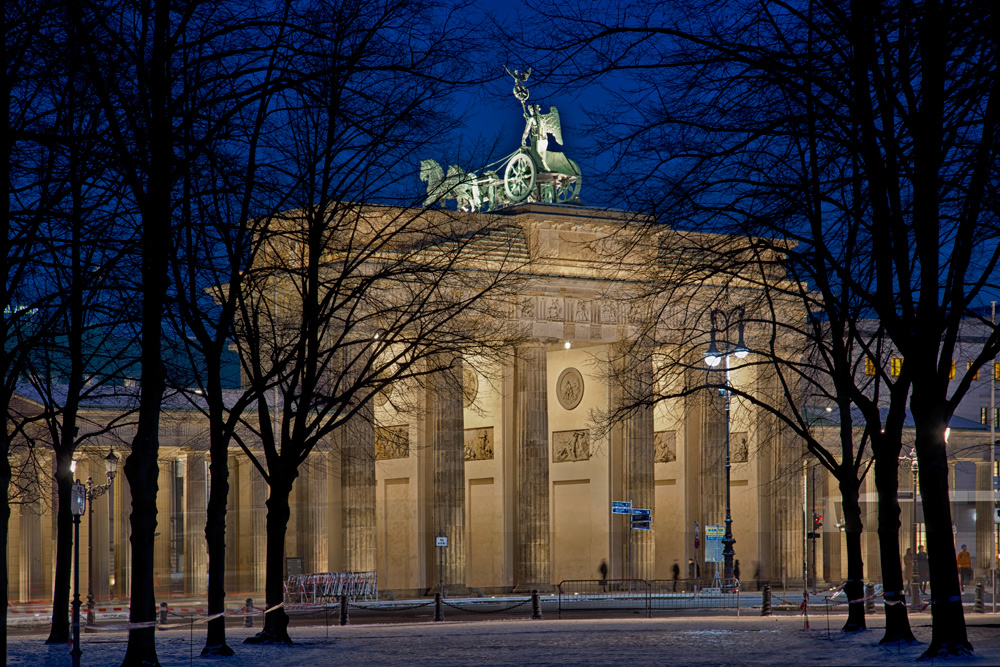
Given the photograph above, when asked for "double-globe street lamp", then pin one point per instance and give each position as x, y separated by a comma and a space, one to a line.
713, 357
92, 491
77, 506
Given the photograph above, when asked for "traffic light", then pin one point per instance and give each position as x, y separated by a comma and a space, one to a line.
817, 524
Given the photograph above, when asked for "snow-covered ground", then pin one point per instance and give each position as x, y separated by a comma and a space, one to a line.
705, 640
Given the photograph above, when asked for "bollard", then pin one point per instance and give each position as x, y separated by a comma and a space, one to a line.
915, 602
979, 607
343, 610
248, 619
536, 605
765, 604
438, 611
163, 613
869, 598
805, 609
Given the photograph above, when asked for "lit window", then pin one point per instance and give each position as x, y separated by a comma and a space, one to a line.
951, 373
968, 366
984, 414
896, 366
869, 366
996, 371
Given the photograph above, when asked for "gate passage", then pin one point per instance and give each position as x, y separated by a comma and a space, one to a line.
325, 586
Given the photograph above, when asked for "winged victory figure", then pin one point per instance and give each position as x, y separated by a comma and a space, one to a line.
538, 126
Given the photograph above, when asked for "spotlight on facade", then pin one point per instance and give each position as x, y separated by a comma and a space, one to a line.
567, 345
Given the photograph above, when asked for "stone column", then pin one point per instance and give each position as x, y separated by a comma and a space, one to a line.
122, 539
317, 559
532, 565
357, 469
446, 433
195, 512
259, 491
636, 378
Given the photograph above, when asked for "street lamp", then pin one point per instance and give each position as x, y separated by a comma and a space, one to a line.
110, 468
714, 357
77, 506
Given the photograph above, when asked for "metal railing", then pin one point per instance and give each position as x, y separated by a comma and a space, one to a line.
588, 595
325, 586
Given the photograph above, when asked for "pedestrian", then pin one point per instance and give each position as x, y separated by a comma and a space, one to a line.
736, 572
923, 572
603, 569
677, 574
964, 559
908, 567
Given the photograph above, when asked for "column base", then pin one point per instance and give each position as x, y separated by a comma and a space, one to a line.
527, 588
451, 591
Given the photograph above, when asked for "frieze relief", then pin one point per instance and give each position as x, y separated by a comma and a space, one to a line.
739, 447
479, 444
580, 311
665, 446
392, 442
570, 446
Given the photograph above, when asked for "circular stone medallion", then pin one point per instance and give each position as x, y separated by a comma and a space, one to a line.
569, 388
470, 387
382, 397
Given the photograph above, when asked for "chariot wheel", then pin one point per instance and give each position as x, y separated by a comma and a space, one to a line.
519, 177
567, 189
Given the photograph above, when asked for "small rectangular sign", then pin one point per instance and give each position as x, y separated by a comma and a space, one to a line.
621, 506
440, 541
714, 532
641, 512
640, 525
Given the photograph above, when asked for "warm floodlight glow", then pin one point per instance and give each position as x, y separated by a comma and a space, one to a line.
568, 345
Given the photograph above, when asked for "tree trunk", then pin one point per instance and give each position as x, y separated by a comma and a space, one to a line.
5, 475
948, 634
215, 528
59, 631
142, 473
278, 512
897, 622
855, 586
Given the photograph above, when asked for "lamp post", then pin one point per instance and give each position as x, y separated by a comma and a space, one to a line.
77, 505
714, 357
110, 468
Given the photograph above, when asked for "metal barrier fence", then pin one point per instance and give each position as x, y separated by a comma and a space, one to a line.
645, 596
326, 586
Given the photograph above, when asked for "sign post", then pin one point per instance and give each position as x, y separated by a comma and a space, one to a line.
441, 542
639, 520
624, 507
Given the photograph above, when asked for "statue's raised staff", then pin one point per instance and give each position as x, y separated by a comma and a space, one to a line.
531, 173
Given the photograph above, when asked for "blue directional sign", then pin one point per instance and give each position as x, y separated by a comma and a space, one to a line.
621, 506
641, 518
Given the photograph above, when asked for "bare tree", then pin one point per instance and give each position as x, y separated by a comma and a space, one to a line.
885, 117
160, 124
